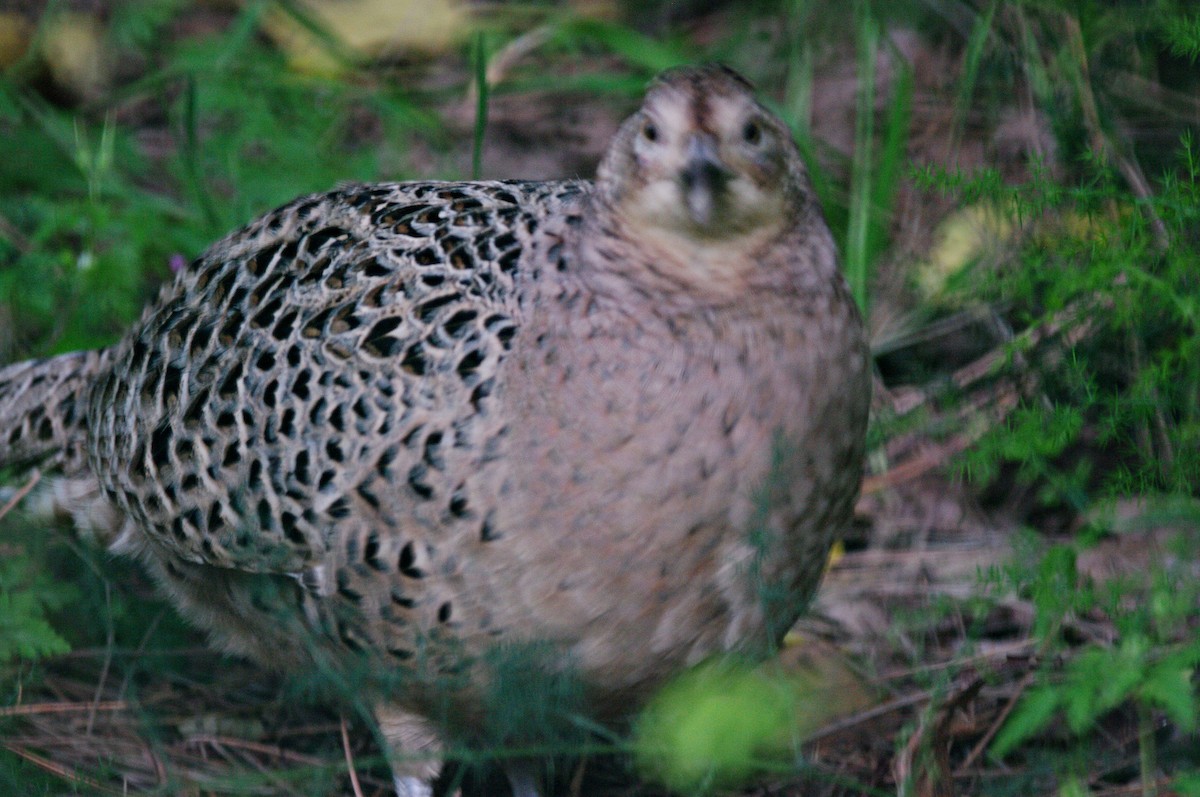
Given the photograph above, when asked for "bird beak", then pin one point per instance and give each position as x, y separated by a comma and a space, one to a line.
703, 178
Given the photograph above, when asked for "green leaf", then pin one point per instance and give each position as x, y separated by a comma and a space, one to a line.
981, 33
1187, 784
1107, 679
1183, 35
1032, 714
24, 631
1055, 587
1073, 787
1168, 686
25, 634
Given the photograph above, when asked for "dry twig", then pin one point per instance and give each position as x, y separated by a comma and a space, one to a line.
61, 708
34, 477
350, 760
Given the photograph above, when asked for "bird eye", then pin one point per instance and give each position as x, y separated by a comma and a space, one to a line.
752, 132
650, 132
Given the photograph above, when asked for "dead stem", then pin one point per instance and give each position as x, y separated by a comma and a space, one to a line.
109, 643
1101, 142
256, 747
992, 730
56, 769
907, 701
34, 477
61, 708
350, 760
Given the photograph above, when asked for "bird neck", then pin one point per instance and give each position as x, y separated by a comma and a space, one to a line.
619, 251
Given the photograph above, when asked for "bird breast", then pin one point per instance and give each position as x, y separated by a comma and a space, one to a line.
643, 456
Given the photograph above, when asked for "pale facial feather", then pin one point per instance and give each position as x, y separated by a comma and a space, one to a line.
749, 203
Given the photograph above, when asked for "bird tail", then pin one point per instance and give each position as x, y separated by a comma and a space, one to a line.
43, 410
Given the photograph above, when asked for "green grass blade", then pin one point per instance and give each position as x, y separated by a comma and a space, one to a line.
891, 159
976, 45
649, 54
190, 155
481, 106
857, 254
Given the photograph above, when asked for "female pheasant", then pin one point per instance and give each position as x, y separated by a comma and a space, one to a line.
408, 429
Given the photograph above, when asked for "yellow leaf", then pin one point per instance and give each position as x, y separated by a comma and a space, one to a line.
962, 239
75, 54
822, 682
367, 29
15, 33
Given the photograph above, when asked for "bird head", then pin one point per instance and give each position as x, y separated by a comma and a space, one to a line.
702, 160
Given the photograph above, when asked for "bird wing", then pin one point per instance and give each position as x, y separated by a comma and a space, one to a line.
322, 375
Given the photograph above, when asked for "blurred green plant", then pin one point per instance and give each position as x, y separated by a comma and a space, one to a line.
860, 217
876, 168
1104, 265
1111, 415
27, 595
1152, 662
1182, 34
93, 218
1129, 388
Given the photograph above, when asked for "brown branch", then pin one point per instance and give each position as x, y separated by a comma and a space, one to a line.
1071, 325
986, 739
866, 715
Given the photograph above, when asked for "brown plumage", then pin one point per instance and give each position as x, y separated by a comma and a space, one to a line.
408, 427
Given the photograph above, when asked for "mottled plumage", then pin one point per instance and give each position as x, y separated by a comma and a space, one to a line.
404, 424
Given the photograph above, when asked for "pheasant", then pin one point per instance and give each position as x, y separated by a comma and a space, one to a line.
406, 429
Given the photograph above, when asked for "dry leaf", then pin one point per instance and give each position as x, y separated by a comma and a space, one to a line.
962, 239
15, 32
822, 681
367, 29
76, 55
